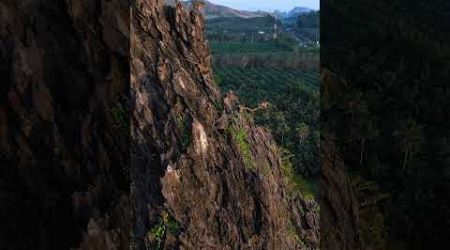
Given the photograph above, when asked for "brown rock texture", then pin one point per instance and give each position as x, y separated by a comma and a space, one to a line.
64, 158
339, 204
203, 175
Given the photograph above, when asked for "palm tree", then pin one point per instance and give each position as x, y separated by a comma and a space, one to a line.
410, 137
303, 131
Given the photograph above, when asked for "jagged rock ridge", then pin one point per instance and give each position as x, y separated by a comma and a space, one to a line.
203, 175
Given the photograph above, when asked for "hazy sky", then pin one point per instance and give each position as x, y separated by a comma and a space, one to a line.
268, 5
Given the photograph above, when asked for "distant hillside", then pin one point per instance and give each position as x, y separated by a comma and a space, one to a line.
298, 11
219, 11
294, 13
305, 26
241, 25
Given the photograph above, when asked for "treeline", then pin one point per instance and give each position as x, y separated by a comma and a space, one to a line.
307, 26
256, 29
288, 60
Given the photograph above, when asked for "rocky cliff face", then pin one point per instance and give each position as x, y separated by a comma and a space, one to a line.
203, 175
339, 205
64, 158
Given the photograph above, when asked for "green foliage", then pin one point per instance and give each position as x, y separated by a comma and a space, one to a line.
260, 68
372, 220
217, 80
296, 182
309, 20
265, 80
293, 233
303, 131
295, 101
388, 118
248, 47
299, 61
316, 208
239, 136
288, 42
173, 226
247, 30
308, 27
158, 232
239, 24
167, 224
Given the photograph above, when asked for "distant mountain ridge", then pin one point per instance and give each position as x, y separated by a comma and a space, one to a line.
216, 11
219, 11
299, 10
295, 12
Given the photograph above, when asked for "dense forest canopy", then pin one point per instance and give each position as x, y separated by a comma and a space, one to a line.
309, 20
387, 115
